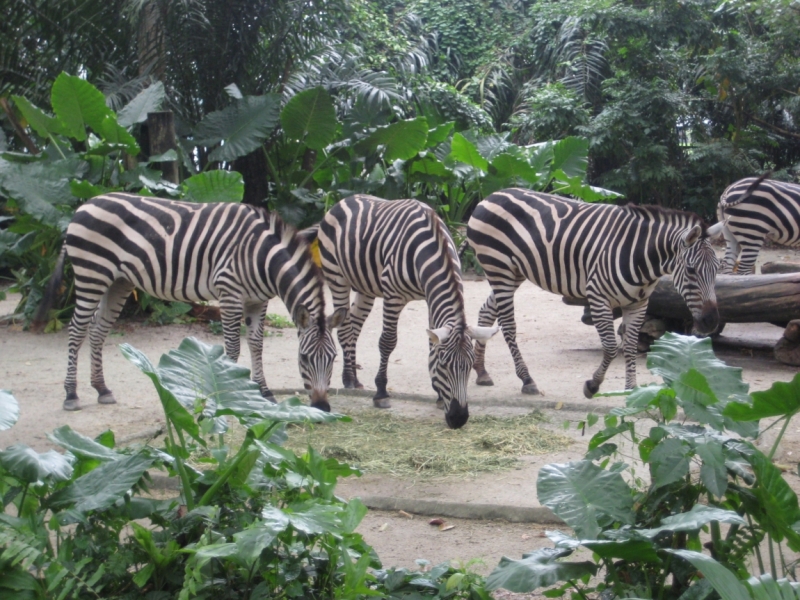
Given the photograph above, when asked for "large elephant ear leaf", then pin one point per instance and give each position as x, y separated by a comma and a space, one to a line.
42, 123
571, 155
9, 410
78, 104
310, 117
585, 496
536, 570
148, 100
28, 465
401, 140
215, 186
239, 128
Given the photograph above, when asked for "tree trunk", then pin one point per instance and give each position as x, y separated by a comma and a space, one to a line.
774, 268
161, 131
253, 168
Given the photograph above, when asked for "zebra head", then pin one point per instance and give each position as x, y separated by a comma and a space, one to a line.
317, 351
450, 363
695, 272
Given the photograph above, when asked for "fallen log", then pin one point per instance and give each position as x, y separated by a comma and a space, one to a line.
740, 298
774, 268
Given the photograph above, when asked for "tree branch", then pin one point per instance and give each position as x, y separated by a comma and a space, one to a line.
18, 128
775, 128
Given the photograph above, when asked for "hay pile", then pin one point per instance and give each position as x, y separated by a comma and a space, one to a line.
382, 442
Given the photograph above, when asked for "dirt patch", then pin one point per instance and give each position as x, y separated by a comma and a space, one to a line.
560, 351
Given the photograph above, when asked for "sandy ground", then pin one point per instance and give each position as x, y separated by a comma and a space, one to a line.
560, 351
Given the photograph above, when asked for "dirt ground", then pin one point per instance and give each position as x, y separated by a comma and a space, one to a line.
561, 353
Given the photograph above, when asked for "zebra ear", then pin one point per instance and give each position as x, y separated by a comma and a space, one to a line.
337, 318
482, 334
439, 336
302, 317
691, 236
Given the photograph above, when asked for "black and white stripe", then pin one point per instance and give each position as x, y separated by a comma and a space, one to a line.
191, 252
400, 251
754, 210
611, 255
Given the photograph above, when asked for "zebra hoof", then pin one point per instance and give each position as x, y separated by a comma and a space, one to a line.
381, 400
590, 388
107, 398
440, 404
484, 379
531, 389
353, 385
72, 404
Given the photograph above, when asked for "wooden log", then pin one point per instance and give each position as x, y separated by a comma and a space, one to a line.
161, 129
787, 350
773, 268
741, 299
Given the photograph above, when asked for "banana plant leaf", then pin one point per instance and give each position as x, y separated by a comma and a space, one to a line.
536, 570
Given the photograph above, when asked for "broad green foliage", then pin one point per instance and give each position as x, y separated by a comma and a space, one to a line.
256, 521
648, 525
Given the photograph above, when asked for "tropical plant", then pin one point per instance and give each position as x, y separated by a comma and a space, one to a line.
704, 487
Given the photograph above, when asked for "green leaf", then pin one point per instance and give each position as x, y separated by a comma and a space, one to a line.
636, 550
310, 117
725, 583
765, 587
777, 508
693, 520
512, 167
439, 134
585, 496
401, 140
173, 409
78, 104
780, 400
41, 187
215, 186
42, 123
82, 446
354, 513
462, 150
30, 466
114, 133
669, 462
713, 473
84, 189
148, 100
252, 541
9, 410
103, 486
241, 127
536, 570
571, 155
314, 518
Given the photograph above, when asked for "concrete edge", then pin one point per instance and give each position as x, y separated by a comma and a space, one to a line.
430, 508
462, 510
510, 401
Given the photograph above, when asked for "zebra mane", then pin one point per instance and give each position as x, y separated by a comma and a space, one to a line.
293, 242
444, 239
673, 215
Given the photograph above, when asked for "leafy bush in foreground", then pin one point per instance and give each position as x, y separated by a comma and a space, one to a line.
705, 488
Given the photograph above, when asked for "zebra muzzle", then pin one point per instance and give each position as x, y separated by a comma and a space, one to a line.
708, 319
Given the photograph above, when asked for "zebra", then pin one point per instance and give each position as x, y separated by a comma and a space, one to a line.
399, 250
611, 255
236, 253
753, 210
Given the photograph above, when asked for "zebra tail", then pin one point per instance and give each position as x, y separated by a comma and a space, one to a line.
753, 187
50, 293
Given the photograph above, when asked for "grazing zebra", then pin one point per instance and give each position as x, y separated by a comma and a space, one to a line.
399, 250
611, 255
235, 253
754, 210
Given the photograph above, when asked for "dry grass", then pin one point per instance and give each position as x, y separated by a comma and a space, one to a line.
381, 442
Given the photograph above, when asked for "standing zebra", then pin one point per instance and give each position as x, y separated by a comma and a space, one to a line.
399, 250
192, 252
754, 210
612, 255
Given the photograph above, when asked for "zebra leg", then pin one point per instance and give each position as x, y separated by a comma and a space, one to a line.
85, 307
254, 313
486, 318
106, 315
391, 313
359, 311
748, 257
603, 318
731, 252
504, 299
632, 318
230, 308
